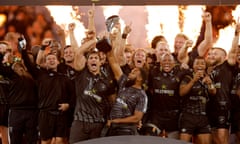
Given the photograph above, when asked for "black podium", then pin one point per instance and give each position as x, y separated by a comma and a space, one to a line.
132, 140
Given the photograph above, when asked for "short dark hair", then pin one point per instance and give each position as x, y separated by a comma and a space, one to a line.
152, 56
58, 54
199, 58
93, 51
221, 49
67, 46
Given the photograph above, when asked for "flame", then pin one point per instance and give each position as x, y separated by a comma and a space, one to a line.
3, 19
193, 21
63, 15
162, 20
111, 10
226, 35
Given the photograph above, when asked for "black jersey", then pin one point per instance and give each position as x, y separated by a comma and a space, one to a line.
66, 70
129, 99
164, 88
195, 102
22, 90
53, 88
235, 99
222, 77
92, 92
4, 89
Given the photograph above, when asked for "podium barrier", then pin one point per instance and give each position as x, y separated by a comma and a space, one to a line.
132, 140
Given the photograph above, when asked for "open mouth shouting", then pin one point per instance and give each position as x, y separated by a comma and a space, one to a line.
93, 67
139, 63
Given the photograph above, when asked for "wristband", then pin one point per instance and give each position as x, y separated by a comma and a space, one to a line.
124, 36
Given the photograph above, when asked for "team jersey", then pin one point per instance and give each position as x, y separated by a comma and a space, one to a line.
129, 100
195, 102
4, 89
222, 77
53, 88
164, 87
235, 100
22, 89
92, 93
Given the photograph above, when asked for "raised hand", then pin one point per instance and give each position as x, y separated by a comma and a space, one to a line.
71, 26
127, 29
207, 17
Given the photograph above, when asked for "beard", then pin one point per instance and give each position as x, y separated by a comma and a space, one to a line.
214, 63
130, 82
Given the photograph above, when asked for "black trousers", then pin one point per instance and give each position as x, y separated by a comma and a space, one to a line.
23, 123
81, 131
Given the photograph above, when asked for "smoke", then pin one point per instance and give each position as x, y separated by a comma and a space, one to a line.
137, 16
99, 17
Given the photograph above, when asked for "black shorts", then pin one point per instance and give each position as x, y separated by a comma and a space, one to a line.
4, 114
165, 120
235, 122
220, 119
122, 129
53, 125
194, 124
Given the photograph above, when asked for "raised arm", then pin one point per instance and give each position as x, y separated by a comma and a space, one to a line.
232, 54
119, 50
91, 23
62, 36
183, 52
31, 67
113, 61
80, 60
206, 44
40, 60
73, 41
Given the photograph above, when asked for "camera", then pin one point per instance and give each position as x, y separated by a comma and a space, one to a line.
21, 43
